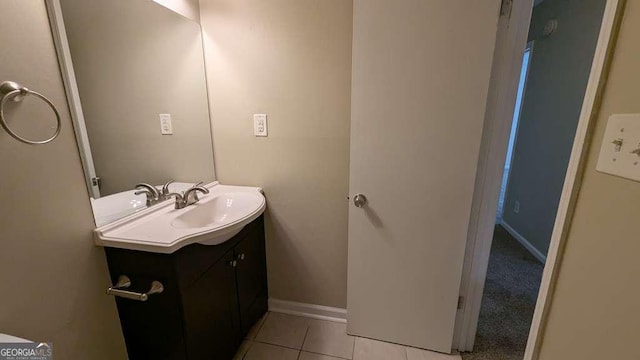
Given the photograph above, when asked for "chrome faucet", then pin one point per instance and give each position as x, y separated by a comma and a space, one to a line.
153, 195
189, 197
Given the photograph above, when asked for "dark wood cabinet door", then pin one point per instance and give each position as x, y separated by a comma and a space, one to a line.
212, 297
251, 277
152, 329
212, 324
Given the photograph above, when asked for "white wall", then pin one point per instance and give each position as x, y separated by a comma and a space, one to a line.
53, 277
290, 59
187, 8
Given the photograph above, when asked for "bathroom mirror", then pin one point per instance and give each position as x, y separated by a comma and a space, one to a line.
141, 108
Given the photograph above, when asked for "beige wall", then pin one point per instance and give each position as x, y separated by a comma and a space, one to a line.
129, 71
290, 59
56, 276
558, 74
594, 313
53, 277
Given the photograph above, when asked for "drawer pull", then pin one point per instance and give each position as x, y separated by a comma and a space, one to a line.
124, 282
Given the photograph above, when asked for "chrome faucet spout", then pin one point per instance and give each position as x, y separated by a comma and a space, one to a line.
189, 197
153, 195
150, 188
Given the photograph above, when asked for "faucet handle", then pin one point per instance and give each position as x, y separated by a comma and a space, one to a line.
202, 189
198, 184
194, 190
165, 188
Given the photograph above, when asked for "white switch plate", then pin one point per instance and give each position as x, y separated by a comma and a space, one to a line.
619, 152
260, 124
166, 128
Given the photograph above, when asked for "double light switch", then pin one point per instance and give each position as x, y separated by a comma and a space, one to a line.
166, 128
260, 125
620, 152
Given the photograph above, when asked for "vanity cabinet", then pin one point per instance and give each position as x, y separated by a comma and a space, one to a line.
212, 296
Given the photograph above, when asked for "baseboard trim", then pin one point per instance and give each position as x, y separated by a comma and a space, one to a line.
313, 311
522, 240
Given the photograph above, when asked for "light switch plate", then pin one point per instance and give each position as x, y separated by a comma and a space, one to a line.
620, 152
166, 128
260, 124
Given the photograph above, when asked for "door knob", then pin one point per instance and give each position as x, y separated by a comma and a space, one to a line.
360, 200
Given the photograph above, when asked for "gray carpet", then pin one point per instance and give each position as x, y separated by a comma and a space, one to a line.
509, 298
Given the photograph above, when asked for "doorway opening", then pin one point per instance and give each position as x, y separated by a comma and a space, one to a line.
552, 83
524, 72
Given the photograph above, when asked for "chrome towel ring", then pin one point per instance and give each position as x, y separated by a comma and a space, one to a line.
15, 92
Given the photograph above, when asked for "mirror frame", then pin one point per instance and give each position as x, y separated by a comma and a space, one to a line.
61, 43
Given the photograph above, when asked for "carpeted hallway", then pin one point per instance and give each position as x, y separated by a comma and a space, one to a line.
510, 293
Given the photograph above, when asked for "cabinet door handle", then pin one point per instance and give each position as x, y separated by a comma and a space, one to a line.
241, 257
124, 282
233, 263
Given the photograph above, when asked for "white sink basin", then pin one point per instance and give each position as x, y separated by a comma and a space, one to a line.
220, 210
216, 218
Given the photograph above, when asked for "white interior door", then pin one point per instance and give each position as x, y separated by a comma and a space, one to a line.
421, 72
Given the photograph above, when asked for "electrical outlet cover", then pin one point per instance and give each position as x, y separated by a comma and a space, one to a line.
620, 151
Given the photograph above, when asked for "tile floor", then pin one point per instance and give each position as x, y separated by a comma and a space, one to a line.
286, 337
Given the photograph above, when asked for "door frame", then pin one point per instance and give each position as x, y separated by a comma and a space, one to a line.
511, 41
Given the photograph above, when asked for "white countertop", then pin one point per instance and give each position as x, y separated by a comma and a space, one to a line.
152, 230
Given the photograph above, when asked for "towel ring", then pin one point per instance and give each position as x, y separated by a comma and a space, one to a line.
10, 90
